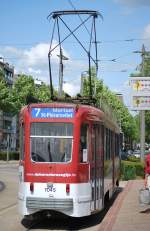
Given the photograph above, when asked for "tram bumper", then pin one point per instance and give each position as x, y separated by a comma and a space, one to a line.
76, 203
49, 203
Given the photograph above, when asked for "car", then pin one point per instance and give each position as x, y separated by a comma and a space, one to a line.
137, 153
124, 155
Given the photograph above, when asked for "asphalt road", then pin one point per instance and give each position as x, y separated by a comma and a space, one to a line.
10, 220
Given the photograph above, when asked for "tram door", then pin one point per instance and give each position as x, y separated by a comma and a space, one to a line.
97, 167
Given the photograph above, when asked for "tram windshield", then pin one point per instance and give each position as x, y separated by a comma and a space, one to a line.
51, 142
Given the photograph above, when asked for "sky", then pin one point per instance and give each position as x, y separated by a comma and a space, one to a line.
25, 36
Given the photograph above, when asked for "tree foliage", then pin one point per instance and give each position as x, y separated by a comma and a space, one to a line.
24, 87
4, 93
107, 100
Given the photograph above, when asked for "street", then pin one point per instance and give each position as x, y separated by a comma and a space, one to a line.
10, 220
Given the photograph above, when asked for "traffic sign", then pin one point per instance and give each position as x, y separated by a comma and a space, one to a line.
140, 93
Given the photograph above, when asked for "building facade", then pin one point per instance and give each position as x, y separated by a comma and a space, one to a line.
7, 120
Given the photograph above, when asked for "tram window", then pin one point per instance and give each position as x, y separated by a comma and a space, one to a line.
117, 145
83, 143
51, 142
111, 144
52, 129
22, 142
107, 144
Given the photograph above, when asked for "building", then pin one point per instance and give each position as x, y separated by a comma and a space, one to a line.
7, 120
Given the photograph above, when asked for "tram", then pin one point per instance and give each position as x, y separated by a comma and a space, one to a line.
69, 159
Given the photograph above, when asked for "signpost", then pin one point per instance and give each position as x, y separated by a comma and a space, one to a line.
140, 102
140, 93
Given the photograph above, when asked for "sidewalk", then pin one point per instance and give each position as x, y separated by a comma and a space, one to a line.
126, 214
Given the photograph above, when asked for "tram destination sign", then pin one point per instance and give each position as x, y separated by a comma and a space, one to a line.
45, 113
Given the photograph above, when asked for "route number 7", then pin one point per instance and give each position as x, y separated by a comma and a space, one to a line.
37, 111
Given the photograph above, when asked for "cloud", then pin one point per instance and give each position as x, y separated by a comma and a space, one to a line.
133, 3
34, 61
146, 36
72, 88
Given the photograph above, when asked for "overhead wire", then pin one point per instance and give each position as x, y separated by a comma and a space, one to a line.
72, 5
99, 42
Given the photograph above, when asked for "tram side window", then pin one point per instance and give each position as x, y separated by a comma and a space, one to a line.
22, 142
83, 143
117, 145
108, 144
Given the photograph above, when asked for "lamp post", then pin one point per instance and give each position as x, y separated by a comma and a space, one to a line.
61, 69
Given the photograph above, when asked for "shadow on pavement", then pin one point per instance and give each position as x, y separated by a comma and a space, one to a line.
145, 211
63, 222
2, 186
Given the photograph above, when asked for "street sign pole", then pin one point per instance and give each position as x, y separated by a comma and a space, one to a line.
142, 137
142, 116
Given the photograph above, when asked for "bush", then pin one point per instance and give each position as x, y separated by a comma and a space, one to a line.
12, 155
130, 170
133, 159
140, 169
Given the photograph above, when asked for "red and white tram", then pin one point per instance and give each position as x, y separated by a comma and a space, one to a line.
69, 159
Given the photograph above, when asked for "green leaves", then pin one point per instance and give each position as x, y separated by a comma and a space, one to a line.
12, 100
4, 94
108, 101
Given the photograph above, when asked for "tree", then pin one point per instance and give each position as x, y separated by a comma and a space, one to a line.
108, 101
4, 93
42, 92
23, 87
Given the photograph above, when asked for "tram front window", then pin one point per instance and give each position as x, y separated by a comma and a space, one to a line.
51, 142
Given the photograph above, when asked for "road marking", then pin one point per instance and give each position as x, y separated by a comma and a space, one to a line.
6, 209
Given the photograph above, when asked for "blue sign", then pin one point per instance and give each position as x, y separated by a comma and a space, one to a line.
45, 113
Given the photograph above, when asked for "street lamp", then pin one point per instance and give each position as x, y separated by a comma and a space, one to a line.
61, 58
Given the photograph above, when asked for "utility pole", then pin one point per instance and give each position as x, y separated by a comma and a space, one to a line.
142, 113
61, 69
